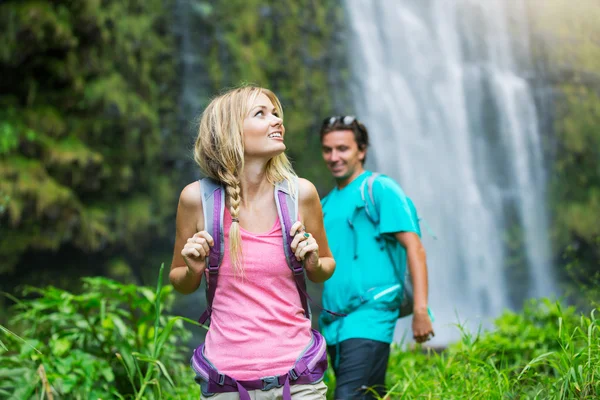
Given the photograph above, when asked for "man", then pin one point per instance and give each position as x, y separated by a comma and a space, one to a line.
365, 285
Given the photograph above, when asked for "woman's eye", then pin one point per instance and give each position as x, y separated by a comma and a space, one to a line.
258, 113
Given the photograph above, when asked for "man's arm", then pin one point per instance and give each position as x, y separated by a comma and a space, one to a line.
417, 264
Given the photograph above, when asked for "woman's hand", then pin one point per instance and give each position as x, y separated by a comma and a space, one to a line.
305, 247
195, 252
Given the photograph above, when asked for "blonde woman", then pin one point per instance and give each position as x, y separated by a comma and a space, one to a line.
260, 343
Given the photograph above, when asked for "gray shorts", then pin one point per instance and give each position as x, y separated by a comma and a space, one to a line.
315, 391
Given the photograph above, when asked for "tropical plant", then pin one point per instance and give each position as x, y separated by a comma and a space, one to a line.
109, 341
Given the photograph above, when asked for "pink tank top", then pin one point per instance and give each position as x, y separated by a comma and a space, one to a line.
257, 326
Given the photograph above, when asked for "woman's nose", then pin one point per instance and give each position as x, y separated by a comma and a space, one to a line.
276, 120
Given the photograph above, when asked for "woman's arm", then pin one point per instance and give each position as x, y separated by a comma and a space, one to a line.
186, 272
318, 261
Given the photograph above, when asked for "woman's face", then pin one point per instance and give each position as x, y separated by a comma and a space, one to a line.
263, 129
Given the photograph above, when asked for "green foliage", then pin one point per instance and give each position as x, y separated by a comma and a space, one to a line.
585, 288
577, 182
521, 337
90, 153
544, 352
86, 94
114, 341
4, 199
290, 47
109, 341
566, 37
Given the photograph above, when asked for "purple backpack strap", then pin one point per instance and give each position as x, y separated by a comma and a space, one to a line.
308, 369
213, 204
213, 200
287, 208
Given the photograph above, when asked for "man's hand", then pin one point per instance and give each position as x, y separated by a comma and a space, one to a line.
421, 326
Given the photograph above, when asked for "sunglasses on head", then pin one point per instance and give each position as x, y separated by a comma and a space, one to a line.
343, 119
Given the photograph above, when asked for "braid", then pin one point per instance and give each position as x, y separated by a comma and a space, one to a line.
233, 190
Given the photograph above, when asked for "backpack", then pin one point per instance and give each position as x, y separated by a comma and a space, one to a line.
402, 273
213, 200
311, 365
405, 306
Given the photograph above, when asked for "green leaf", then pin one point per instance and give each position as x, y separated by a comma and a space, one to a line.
154, 361
6, 331
157, 308
127, 364
60, 346
119, 324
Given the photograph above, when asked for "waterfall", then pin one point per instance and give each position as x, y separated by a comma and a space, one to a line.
193, 35
442, 87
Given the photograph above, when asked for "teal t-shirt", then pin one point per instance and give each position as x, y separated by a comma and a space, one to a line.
363, 265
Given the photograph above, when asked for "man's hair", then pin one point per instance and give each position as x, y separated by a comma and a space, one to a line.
336, 123
219, 151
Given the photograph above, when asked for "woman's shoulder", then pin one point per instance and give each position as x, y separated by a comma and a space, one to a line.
307, 191
191, 197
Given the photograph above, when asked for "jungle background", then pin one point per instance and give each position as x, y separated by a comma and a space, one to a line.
96, 130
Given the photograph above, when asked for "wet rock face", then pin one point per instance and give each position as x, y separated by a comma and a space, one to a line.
87, 137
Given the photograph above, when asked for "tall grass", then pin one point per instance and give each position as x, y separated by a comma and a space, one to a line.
544, 352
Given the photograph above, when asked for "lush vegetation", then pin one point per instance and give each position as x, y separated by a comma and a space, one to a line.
566, 37
94, 141
95, 126
116, 340
109, 341
86, 104
544, 352
94, 134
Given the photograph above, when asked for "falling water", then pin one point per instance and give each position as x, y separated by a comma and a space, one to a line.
442, 86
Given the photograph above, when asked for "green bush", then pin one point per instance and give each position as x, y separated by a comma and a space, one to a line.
114, 341
109, 341
87, 104
544, 352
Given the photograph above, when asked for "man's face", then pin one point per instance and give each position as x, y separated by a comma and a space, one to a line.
342, 155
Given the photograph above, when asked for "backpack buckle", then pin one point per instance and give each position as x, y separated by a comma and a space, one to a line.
293, 374
221, 381
270, 382
298, 271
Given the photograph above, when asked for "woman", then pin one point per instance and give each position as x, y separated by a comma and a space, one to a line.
259, 332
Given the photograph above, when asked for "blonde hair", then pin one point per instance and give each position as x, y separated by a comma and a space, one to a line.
219, 151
